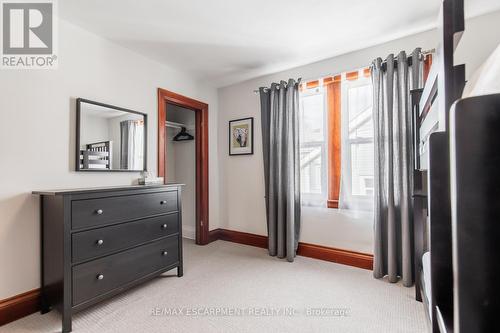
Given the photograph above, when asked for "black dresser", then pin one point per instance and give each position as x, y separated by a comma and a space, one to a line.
96, 243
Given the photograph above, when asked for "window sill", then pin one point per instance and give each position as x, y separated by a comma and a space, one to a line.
332, 203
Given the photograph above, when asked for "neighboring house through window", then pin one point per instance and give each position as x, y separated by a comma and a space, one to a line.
313, 147
357, 186
336, 141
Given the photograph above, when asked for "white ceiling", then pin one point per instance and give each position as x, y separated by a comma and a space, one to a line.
227, 41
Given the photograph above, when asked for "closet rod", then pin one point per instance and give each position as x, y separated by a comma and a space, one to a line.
173, 124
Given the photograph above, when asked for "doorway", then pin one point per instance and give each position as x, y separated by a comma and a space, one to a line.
170, 101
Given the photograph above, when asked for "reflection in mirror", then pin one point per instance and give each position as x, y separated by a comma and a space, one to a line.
110, 138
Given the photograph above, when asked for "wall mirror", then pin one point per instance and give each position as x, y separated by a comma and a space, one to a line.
109, 138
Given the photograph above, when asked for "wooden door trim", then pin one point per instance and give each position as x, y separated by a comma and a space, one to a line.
201, 137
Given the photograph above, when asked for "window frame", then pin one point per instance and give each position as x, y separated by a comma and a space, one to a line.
333, 88
311, 91
349, 84
333, 102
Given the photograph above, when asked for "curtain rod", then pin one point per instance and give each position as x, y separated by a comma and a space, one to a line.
278, 86
426, 52
408, 58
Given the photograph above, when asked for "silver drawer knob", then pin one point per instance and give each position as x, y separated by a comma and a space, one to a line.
163, 202
100, 242
164, 253
99, 212
100, 277
164, 226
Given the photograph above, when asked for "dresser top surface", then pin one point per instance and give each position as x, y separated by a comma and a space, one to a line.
104, 189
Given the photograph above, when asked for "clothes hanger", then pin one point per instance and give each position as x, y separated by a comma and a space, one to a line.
183, 135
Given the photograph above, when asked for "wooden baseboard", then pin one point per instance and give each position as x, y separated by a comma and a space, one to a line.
19, 306
240, 237
214, 235
29, 302
345, 257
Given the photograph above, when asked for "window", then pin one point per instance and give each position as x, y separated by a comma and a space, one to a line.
357, 186
313, 146
336, 141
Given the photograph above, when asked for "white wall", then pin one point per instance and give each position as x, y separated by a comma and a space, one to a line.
242, 179
37, 136
181, 165
96, 129
480, 39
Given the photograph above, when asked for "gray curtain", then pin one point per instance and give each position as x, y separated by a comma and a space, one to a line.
393, 253
132, 145
280, 141
124, 143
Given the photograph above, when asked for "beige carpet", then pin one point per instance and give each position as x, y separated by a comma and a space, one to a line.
236, 288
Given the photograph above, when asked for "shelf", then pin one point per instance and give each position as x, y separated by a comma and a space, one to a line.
173, 124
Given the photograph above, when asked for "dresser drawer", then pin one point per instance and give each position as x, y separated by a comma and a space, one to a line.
101, 241
102, 211
100, 276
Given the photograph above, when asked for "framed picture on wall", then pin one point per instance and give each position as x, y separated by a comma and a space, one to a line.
241, 136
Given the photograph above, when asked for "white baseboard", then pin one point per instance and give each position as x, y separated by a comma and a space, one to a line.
188, 232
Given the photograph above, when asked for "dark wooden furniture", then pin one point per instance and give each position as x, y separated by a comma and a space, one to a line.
475, 165
96, 156
96, 243
431, 178
419, 196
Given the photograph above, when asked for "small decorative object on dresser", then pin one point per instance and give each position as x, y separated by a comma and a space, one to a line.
241, 136
96, 243
147, 178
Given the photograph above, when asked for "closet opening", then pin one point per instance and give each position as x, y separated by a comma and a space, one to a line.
183, 157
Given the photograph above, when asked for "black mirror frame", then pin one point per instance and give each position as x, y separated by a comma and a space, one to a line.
77, 151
